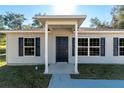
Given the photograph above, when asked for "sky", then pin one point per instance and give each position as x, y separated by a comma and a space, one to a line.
100, 11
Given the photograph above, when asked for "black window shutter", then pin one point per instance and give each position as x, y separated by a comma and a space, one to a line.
37, 52
102, 46
20, 48
73, 46
115, 46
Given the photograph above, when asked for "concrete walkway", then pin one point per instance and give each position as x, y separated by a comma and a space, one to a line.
60, 81
64, 81
61, 68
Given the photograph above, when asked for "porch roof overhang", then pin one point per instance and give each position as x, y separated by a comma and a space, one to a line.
42, 31
78, 18
23, 32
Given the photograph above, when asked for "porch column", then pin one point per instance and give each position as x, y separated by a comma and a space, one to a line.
76, 49
46, 48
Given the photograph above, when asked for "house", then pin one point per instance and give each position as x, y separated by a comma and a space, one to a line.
62, 40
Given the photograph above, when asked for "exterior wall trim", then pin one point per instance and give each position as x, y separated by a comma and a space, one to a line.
100, 32
21, 64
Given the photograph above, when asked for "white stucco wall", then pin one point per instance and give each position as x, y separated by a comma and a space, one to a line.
12, 47
12, 50
108, 58
14, 59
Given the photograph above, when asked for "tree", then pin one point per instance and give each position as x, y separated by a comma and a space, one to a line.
118, 17
14, 20
1, 22
96, 23
36, 23
117, 21
27, 27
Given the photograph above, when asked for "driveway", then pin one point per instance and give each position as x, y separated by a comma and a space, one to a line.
64, 81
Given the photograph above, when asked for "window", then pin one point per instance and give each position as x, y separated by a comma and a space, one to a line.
29, 41
94, 47
83, 46
121, 46
118, 46
90, 46
82, 51
29, 46
83, 42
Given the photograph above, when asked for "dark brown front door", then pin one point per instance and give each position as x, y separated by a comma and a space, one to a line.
61, 49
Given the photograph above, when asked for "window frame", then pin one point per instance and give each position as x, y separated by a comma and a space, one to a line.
83, 46
95, 46
120, 46
29, 46
91, 47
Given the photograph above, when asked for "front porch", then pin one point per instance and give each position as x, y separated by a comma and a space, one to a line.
61, 50
51, 22
61, 68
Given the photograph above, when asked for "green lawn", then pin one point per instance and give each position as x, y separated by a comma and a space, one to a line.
2, 50
2, 61
2, 43
23, 77
100, 71
2, 40
2, 58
